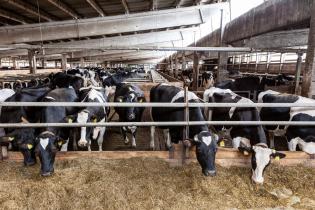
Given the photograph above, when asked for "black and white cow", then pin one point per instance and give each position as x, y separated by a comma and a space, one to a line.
205, 141
245, 138
23, 138
129, 94
303, 136
92, 114
52, 139
207, 79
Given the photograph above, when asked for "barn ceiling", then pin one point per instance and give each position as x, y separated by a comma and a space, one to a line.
19, 20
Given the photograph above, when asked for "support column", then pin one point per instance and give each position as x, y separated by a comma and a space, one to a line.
32, 61
56, 64
15, 65
308, 86
298, 74
183, 61
171, 72
196, 70
81, 62
176, 66
222, 73
64, 61
44, 64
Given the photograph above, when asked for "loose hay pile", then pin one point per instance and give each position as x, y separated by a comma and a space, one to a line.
151, 184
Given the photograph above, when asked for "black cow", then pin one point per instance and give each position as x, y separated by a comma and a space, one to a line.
304, 136
250, 83
92, 114
129, 94
245, 138
51, 139
280, 79
205, 142
62, 80
23, 137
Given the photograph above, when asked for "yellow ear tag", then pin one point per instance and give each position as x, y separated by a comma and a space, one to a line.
70, 120
11, 138
277, 158
59, 143
120, 100
29, 146
141, 100
222, 144
95, 120
274, 151
245, 153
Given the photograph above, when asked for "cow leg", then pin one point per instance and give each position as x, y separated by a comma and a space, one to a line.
64, 147
152, 132
271, 139
124, 133
89, 145
100, 138
167, 138
133, 141
293, 143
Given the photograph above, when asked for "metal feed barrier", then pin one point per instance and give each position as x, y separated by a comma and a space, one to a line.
179, 155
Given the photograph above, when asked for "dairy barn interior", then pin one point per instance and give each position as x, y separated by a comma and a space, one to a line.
156, 104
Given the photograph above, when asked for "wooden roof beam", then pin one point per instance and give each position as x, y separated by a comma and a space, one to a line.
62, 6
31, 9
97, 8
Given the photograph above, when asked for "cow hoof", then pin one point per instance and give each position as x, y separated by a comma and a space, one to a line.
82, 144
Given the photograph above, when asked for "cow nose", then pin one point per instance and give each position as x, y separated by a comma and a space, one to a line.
131, 116
46, 174
209, 173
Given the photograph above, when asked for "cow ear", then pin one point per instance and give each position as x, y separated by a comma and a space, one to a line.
59, 142
278, 155
196, 140
141, 99
119, 99
71, 118
245, 150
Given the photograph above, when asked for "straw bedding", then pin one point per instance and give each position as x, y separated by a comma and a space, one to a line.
151, 184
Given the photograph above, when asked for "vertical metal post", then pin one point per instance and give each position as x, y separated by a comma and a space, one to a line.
298, 73
308, 85
64, 61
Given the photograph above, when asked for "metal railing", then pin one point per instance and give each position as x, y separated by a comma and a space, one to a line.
170, 123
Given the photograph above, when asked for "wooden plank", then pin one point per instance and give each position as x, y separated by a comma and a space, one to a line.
225, 157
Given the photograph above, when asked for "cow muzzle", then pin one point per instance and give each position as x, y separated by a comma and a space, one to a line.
82, 143
209, 172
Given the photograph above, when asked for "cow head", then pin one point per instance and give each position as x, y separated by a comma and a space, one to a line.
47, 145
131, 97
261, 158
24, 140
84, 117
206, 148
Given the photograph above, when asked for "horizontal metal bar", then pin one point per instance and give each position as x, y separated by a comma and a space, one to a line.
145, 124
118, 104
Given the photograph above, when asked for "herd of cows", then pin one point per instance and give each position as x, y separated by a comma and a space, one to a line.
98, 85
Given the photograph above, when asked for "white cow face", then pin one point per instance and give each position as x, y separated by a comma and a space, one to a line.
261, 157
